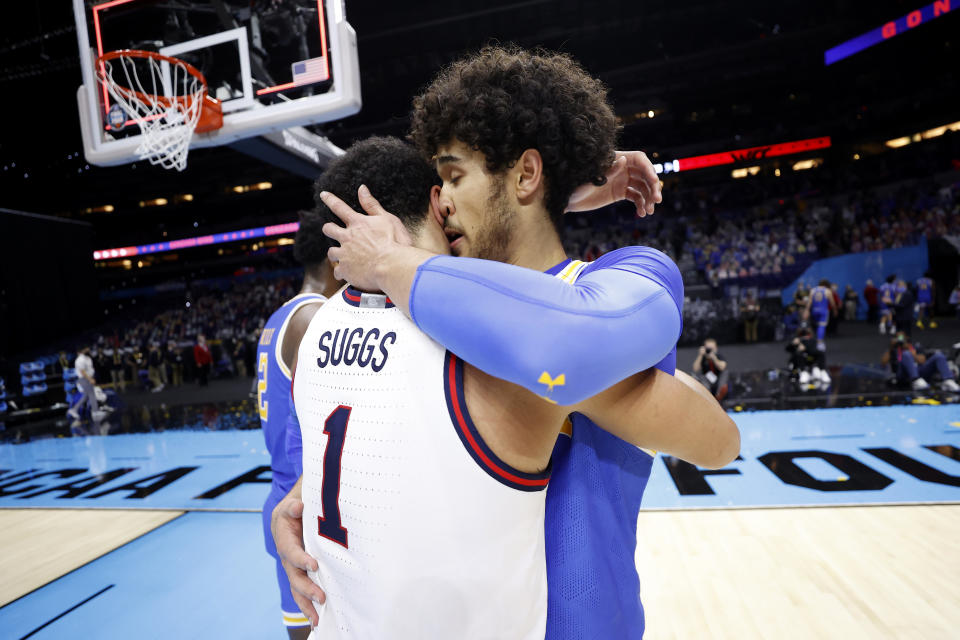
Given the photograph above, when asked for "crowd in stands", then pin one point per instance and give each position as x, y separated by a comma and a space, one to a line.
213, 333
738, 252
780, 237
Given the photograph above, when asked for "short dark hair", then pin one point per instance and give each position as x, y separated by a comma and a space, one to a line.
310, 246
396, 174
891, 278
502, 101
825, 283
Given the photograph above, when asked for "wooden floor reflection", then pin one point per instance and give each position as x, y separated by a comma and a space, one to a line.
842, 572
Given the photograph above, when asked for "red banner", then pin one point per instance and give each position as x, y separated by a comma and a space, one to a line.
753, 154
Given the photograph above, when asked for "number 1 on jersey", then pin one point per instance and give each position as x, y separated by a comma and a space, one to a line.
335, 428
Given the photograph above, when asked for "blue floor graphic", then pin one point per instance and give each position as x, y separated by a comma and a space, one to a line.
206, 573
899, 454
200, 575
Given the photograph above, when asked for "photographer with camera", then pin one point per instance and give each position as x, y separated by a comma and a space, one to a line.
917, 369
711, 370
807, 361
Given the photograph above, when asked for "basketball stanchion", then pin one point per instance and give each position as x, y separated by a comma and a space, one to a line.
165, 97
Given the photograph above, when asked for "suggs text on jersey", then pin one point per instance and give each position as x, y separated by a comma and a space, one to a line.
355, 346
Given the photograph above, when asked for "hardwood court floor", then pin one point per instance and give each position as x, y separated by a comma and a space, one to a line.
872, 572
40, 545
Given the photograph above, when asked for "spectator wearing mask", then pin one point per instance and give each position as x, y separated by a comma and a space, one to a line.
174, 357
711, 370
240, 356
203, 358
872, 295
750, 311
116, 370
918, 369
903, 303
925, 297
155, 368
834, 322
850, 303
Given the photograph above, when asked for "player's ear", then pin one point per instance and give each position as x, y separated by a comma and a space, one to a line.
529, 174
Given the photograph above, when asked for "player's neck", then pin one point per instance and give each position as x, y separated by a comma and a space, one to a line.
536, 244
320, 280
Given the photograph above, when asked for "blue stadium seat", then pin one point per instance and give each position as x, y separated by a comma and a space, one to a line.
3, 406
35, 389
70, 374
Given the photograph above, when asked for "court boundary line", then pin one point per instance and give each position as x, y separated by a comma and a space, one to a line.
73, 608
755, 507
102, 555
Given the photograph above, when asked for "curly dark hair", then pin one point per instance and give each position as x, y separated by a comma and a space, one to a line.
310, 245
395, 172
504, 100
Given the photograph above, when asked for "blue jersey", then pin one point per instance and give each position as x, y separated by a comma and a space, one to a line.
273, 403
925, 290
593, 501
820, 301
887, 295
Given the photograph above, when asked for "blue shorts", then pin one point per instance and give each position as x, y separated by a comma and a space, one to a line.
292, 616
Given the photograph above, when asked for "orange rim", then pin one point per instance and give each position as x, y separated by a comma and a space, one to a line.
211, 116
138, 53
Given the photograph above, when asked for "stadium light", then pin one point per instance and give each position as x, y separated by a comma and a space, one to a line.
803, 165
896, 143
743, 172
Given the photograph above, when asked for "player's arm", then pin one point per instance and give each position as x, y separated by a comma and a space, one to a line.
286, 524
528, 327
721, 364
806, 307
673, 414
587, 333
296, 327
631, 177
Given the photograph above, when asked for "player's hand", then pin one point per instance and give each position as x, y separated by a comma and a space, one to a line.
286, 524
631, 177
364, 241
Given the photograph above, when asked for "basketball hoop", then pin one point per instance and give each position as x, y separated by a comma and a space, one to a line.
166, 97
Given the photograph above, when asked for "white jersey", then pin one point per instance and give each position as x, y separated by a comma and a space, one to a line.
420, 531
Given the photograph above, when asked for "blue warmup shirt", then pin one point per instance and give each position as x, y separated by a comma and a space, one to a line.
273, 404
924, 290
566, 343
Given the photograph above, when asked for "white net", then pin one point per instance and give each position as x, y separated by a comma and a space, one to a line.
162, 97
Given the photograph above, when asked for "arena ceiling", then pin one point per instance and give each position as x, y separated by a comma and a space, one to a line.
717, 74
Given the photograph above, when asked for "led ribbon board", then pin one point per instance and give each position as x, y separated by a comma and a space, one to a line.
743, 155
198, 241
888, 30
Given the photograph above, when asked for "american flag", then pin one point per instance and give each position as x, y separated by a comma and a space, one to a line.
310, 71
